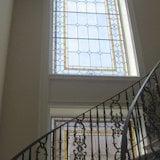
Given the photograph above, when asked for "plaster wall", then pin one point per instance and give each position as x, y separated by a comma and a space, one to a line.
5, 20
20, 111
147, 16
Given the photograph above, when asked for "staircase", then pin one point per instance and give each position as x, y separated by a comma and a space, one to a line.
124, 127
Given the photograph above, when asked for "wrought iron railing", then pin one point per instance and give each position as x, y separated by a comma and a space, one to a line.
147, 122
97, 133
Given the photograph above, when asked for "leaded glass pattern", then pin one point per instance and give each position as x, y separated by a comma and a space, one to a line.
88, 38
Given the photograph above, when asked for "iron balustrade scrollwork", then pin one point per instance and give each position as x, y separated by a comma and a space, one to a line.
79, 140
117, 124
149, 98
41, 150
125, 126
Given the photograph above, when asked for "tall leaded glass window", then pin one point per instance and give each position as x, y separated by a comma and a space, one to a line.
89, 38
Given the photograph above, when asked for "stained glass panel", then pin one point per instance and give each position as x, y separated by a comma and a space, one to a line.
88, 38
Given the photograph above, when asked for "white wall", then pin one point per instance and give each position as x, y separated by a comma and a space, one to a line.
5, 19
21, 101
147, 14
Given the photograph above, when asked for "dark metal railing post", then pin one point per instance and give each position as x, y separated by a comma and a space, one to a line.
105, 127
67, 139
60, 143
130, 126
30, 154
124, 150
91, 129
53, 146
157, 84
99, 150
22, 156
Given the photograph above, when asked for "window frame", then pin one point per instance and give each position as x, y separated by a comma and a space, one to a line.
136, 46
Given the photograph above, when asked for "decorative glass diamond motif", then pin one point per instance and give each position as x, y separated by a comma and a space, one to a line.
88, 37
